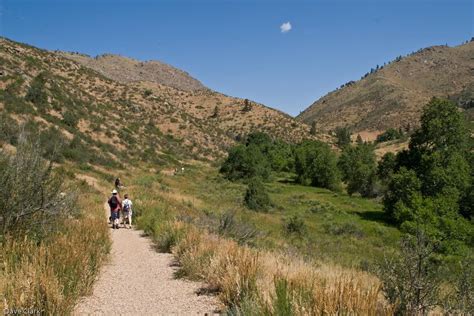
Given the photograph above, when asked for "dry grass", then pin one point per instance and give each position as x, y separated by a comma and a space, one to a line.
273, 283
50, 275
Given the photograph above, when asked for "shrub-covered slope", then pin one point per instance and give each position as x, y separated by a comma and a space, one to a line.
106, 122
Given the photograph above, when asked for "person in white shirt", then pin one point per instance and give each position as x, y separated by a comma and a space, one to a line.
127, 211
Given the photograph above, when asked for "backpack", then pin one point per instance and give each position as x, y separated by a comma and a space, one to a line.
126, 206
113, 202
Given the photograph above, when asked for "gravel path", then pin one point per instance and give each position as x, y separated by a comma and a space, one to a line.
139, 281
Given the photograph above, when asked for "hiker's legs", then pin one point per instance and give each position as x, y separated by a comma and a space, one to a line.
115, 219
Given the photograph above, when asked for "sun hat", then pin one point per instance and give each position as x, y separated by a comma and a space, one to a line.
114, 191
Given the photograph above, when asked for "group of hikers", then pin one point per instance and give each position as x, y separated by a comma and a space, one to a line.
120, 208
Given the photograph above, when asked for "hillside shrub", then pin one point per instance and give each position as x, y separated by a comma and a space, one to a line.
9, 129
313, 130
256, 197
37, 91
52, 143
12, 100
70, 119
348, 229
316, 165
295, 225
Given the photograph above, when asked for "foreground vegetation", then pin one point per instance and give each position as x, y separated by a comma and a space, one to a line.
54, 238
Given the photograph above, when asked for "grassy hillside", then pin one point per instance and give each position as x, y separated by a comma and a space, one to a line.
393, 96
126, 122
336, 226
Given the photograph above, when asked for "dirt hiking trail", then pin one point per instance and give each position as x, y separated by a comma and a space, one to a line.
138, 280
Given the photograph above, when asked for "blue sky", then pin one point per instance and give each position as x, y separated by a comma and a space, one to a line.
237, 47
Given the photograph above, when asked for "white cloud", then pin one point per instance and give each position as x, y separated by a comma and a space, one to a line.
285, 27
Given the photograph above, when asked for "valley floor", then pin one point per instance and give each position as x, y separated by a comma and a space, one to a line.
139, 280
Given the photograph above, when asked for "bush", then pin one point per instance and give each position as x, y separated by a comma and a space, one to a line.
50, 275
316, 164
31, 192
147, 93
37, 93
52, 144
349, 229
388, 135
256, 197
12, 100
229, 226
8, 129
70, 119
411, 280
295, 225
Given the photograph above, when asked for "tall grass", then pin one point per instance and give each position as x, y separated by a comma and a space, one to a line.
51, 274
262, 282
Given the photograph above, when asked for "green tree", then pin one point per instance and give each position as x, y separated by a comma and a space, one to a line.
316, 165
433, 178
281, 156
256, 197
443, 129
343, 136
245, 163
215, 114
386, 166
404, 192
358, 169
313, 131
247, 106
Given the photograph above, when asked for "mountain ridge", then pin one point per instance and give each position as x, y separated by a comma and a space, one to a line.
393, 96
126, 70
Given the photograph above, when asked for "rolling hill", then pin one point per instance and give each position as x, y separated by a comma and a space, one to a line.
136, 118
394, 95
